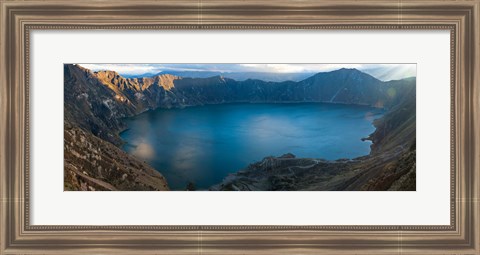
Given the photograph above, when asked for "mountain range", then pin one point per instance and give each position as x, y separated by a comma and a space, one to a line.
238, 76
96, 103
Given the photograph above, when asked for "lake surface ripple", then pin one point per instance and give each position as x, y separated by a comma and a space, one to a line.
203, 144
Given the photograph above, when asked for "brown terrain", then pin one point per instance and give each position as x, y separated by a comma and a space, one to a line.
94, 164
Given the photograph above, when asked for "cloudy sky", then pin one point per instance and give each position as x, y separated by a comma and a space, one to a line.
380, 71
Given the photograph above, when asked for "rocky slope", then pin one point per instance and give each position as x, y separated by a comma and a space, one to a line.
390, 171
94, 164
96, 102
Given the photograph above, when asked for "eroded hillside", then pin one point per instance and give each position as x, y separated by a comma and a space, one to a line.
94, 164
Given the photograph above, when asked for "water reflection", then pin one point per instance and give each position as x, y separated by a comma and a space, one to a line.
144, 151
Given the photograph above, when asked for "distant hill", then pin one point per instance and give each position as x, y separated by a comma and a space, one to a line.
238, 76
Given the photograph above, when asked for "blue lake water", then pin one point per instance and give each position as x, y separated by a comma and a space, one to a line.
204, 144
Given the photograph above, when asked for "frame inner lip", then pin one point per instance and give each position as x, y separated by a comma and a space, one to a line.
453, 210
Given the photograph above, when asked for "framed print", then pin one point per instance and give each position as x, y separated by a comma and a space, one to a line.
213, 127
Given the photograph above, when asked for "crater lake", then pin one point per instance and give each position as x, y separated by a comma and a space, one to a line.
203, 144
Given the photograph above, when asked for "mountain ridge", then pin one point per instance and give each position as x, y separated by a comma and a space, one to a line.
238, 76
379, 73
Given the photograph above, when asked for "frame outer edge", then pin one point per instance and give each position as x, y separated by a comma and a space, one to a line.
5, 142
476, 123
3, 127
6, 198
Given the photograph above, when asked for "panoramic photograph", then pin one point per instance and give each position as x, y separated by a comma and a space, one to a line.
239, 127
